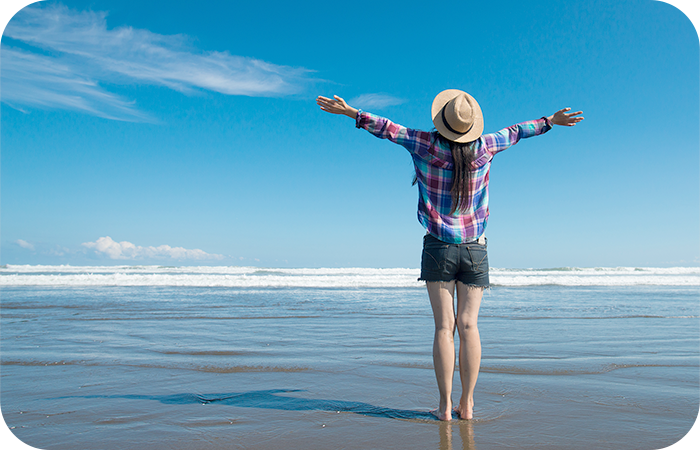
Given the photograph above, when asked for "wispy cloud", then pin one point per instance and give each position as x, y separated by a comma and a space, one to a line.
37, 80
106, 246
375, 101
24, 244
85, 53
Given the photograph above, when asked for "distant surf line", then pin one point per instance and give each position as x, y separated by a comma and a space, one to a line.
329, 278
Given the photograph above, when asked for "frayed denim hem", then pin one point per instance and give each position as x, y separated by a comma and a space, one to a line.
476, 286
468, 285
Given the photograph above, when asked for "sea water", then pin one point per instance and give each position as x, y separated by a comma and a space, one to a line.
227, 357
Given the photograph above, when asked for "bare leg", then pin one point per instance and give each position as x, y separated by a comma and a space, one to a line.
468, 303
442, 301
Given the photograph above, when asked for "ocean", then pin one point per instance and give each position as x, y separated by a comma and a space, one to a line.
126, 357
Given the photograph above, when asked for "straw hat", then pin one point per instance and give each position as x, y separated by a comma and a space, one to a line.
457, 116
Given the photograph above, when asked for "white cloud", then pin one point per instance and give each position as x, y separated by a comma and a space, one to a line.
84, 52
375, 101
24, 244
37, 80
126, 250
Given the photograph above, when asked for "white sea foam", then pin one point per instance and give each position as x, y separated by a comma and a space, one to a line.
256, 277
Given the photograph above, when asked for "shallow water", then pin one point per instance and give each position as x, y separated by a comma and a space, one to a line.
297, 367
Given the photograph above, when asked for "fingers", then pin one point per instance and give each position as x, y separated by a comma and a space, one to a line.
568, 114
335, 105
569, 119
325, 101
566, 118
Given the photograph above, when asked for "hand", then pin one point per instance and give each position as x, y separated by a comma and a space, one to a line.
564, 118
336, 106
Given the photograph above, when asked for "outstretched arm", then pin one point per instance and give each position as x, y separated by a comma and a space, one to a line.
336, 105
412, 140
565, 118
497, 142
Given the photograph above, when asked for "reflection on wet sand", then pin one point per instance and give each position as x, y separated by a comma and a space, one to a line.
466, 434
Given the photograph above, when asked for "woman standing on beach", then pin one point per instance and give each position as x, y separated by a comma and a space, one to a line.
452, 172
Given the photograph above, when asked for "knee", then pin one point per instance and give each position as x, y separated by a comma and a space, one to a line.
466, 325
445, 331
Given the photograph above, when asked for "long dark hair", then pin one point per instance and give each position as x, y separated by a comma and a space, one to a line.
462, 157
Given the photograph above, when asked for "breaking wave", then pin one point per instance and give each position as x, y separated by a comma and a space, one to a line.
256, 277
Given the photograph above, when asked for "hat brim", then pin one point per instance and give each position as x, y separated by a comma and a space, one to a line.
440, 101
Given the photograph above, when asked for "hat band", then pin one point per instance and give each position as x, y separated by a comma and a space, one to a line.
444, 121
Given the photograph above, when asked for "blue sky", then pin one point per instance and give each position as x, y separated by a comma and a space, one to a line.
157, 132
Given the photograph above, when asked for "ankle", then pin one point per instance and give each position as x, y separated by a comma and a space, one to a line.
467, 402
445, 405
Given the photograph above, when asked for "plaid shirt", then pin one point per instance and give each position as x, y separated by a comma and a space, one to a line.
433, 162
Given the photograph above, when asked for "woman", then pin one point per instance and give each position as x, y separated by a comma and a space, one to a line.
452, 172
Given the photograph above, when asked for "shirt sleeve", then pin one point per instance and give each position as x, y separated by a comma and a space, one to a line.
501, 140
414, 141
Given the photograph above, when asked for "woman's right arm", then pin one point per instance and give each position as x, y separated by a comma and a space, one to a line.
564, 118
501, 140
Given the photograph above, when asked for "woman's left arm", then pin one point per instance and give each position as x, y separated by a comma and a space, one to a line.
336, 105
413, 140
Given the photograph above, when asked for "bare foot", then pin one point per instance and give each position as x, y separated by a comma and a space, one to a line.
465, 412
447, 415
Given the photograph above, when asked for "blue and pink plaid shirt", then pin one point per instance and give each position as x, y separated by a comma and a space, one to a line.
433, 162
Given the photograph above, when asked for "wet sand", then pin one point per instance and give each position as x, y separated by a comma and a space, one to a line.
213, 369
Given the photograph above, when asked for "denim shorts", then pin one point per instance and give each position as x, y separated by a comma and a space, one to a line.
467, 263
